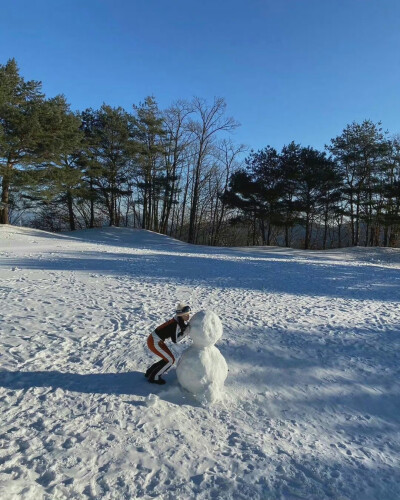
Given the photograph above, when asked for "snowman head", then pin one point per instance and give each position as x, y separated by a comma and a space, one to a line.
205, 328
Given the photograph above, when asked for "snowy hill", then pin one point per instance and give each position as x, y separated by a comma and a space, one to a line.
312, 400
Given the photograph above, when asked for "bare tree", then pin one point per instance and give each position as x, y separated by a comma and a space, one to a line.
211, 121
177, 141
228, 155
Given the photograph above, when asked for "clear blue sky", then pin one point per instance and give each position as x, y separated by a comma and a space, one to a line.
288, 69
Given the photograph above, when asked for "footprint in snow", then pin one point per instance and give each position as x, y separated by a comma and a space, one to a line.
46, 479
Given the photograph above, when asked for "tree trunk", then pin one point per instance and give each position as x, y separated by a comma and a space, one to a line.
262, 230
269, 233
117, 212
325, 231
184, 204
144, 210
307, 236
385, 236
357, 229
214, 223
5, 195
286, 235
352, 217
110, 206
367, 233
193, 208
169, 196
71, 211
393, 237
91, 225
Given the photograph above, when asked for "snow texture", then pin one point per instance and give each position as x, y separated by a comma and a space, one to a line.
202, 369
311, 407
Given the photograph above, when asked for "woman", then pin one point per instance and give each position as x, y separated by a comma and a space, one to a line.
175, 329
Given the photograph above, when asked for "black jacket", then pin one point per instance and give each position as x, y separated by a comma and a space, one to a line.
173, 329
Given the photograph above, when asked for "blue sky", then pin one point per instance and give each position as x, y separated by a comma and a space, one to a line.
288, 69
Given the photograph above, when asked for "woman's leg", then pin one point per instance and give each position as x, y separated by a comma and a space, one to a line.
159, 348
151, 342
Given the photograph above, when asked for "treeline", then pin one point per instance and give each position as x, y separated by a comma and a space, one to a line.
159, 170
177, 172
351, 197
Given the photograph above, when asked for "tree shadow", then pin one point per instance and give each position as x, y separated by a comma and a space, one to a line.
125, 384
129, 383
267, 274
113, 236
318, 377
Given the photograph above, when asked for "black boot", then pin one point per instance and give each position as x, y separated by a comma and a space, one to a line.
159, 381
154, 366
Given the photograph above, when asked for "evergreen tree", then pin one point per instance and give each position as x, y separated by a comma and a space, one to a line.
108, 135
390, 212
150, 160
265, 166
20, 128
245, 194
314, 179
61, 150
290, 166
360, 152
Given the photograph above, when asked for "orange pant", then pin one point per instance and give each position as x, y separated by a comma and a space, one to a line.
156, 345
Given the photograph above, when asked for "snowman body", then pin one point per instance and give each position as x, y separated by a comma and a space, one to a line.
202, 369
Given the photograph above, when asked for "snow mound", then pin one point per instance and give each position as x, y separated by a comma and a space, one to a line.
205, 328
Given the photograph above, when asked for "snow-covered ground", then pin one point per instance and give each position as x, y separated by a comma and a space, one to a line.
311, 408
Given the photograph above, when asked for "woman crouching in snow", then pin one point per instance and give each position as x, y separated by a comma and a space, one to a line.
175, 329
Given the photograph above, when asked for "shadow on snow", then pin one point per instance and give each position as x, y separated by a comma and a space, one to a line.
269, 275
129, 383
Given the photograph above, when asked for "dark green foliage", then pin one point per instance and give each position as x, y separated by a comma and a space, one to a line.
284, 189
110, 147
20, 127
39, 139
363, 154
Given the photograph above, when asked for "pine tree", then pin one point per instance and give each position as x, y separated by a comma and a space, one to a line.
20, 127
290, 165
390, 210
360, 152
315, 173
150, 160
61, 152
108, 135
266, 168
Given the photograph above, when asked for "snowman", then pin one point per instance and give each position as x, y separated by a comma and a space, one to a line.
202, 369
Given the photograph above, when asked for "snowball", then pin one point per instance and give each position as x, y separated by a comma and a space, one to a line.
205, 328
152, 400
202, 372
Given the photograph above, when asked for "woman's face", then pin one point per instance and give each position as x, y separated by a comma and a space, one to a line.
185, 317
